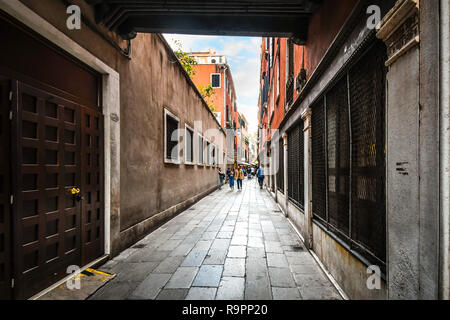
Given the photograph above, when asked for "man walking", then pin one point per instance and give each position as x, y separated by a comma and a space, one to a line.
231, 178
260, 174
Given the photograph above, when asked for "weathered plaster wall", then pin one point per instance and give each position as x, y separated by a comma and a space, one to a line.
349, 272
148, 185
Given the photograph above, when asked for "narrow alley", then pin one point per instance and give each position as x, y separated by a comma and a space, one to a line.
231, 245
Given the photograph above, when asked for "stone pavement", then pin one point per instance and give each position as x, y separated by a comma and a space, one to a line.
231, 245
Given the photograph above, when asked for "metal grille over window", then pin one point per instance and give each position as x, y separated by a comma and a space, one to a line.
189, 145
280, 172
215, 80
338, 143
348, 157
200, 149
172, 138
295, 165
367, 101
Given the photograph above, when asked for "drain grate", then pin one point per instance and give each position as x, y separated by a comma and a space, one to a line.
297, 248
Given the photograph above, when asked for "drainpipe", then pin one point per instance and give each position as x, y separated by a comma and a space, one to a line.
444, 281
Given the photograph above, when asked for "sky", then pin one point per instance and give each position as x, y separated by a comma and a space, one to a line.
243, 55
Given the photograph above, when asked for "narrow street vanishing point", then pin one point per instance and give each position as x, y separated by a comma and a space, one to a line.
231, 245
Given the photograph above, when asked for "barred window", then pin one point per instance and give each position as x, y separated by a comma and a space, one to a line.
208, 153
215, 80
171, 136
189, 146
200, 149
280, 173
296, 165
348, 156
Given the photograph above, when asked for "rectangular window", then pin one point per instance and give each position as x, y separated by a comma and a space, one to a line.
171, 136
208, 153
215, 80
189, 146
200, 149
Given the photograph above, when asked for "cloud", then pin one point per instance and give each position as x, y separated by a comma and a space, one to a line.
243, 55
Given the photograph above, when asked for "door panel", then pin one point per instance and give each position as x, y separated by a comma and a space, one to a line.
47, 222
5, 208
92, 185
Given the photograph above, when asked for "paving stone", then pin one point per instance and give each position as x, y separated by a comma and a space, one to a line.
172, 294
215, 257
209, 235
197, 293
134, 271
239, 240
281, 277
194, 258
182, 250
271, 236
277, 260
220, 244
225, 234
300, 259
208, 276
256, 252
273, 246
203, 245
114, 291
150, 256
231, 288
169, 245
255, 267
169, 265
305, 268
237, 252
255, 242
182, 278
234, 267
258, 288
285, 294
150, 287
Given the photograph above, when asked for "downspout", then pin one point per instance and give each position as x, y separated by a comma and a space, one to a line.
444, 263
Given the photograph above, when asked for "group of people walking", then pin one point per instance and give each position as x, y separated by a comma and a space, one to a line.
239, 174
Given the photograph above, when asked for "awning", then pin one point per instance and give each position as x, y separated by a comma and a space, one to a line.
261, 18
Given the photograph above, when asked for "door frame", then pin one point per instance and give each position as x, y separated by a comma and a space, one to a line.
111, 111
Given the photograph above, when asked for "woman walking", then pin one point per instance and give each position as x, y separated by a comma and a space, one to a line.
221, 177
231, 178
239, 176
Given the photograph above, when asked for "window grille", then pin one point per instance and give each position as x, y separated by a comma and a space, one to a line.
215, 80
171, 138
189, 145
200, 149
348, 156
280, 172
296, 165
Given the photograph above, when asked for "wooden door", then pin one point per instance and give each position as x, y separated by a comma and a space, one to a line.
5, 191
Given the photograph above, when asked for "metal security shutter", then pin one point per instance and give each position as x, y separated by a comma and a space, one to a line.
5, 192
367, 102
338, 145
319, 194
280, 172
172, 138
295, 165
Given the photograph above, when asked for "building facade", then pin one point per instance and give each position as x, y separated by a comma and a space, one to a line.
352, 135
99, 148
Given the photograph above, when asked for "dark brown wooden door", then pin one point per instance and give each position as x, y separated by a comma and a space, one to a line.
5, 192
59, 147
92, 185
